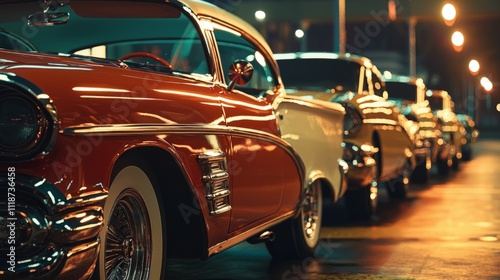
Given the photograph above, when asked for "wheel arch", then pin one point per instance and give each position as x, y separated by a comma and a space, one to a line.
177, 198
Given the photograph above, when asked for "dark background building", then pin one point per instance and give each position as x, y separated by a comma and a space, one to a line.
370, 32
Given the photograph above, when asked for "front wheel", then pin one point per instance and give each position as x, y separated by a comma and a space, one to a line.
132, 241
400, 186
444, 166
422, 171
297, 238
362, 203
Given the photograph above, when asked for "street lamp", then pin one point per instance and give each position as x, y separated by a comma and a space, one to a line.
471, 102
457, 39
260, 15
449, 14
487, 84
473, 67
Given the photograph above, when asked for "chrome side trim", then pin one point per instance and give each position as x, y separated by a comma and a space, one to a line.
48, 109
247, 234
153, 129
216, 180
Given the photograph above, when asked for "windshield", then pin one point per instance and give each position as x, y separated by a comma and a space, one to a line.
320, 74
109, 30
404, 91
435, 102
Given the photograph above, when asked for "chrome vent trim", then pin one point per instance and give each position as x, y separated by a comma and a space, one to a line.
215, 178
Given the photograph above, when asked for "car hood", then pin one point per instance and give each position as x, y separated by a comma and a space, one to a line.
86, 92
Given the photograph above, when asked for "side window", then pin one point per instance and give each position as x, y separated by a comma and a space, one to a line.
377, 85
232, 46
367, 85
12, 42
178, 42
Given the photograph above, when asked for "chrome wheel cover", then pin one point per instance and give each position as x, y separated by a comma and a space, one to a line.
128, 242
311, 214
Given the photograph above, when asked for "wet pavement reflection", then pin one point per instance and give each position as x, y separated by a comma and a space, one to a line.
449, 228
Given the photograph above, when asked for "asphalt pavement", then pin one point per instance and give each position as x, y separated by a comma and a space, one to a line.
446, 229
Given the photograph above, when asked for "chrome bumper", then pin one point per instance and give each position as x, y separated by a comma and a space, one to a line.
55, 237
362, 166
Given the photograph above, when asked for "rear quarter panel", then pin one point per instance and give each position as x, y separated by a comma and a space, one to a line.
315, 130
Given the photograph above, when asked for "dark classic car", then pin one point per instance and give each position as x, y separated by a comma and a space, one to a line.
408, 94
377, 146
136, 131
453, 131
471, 134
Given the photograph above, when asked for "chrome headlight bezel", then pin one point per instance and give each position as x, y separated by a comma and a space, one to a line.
28, 121
353, 120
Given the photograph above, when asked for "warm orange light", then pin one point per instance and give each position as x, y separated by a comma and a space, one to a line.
391, 9
449, 14
458, 40
487, 84
474, 67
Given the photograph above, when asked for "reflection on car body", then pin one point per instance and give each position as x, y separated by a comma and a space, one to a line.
125, 158
453, 131
408, 94
377, 146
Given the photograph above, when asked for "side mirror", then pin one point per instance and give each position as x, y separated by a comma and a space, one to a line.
240, 73
47, 19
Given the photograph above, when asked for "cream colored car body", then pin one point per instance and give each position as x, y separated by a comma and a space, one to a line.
314, 129
383, 127
383, 121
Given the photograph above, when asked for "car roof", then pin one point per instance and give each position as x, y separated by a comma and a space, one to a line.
394, 78
195, 8
203, 8
326, 55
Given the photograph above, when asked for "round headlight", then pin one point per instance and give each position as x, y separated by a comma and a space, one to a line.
352, 120
20, 124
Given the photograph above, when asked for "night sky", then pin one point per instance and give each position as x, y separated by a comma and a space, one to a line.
386, 44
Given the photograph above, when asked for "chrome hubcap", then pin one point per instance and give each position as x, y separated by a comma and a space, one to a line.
128, 248
128, 242
310, 212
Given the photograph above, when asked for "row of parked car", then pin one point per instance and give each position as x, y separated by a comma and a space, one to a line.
395, 128
132, 132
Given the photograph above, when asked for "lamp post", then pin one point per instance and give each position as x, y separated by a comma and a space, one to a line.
473, 70
487, 86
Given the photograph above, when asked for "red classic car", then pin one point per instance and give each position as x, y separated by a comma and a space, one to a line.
136, 131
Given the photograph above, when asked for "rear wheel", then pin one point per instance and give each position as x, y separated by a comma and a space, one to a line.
400, 186
362, 202
421, 173
444, 165
297, 238
132, 224
455, 163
